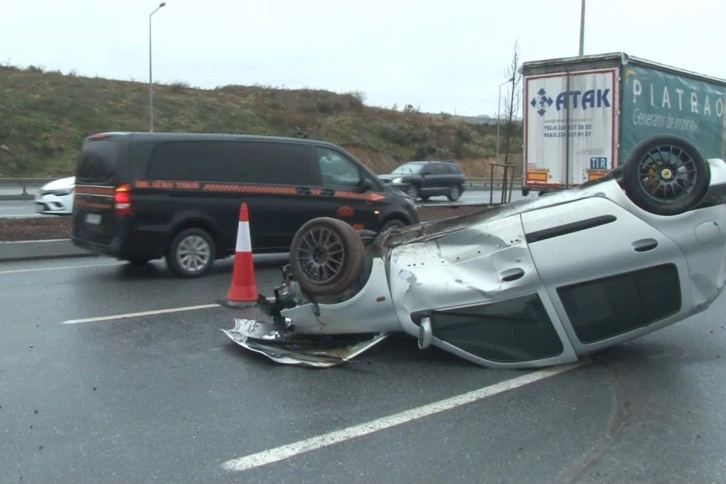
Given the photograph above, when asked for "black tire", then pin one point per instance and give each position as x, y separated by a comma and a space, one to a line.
454, 193
191, 253
412, 192
525, 192
326, 256
393, 224
665, 175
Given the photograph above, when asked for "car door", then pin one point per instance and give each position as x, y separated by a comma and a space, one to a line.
432, 179
610, 275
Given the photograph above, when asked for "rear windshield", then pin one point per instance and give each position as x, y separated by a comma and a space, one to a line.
97, 161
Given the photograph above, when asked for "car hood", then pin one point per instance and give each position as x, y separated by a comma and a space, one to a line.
61, 183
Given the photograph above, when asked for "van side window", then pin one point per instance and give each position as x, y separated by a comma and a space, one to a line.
337, 170
232, 161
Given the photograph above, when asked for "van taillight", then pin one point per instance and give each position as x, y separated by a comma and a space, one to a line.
122, 199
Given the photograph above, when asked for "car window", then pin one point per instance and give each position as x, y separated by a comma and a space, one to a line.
455, 169
97, 161
439, 169
231, 161
337, 170
516, 329
603, 308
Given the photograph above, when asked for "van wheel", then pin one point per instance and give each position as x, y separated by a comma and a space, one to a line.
191, 253
326, 256
665, 175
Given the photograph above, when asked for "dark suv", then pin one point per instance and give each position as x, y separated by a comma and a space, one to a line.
424, 179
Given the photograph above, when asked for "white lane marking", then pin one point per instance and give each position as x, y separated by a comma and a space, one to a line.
41, 269
291, 450
143, 313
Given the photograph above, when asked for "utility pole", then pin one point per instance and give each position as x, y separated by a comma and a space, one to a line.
151, 100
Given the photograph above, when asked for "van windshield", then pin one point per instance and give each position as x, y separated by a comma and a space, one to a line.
97, 161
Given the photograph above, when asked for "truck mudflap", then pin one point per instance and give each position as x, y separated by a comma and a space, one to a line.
274, 340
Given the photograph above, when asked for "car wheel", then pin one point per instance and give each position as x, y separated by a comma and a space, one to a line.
665, 175
454, 193
191, 253
412, 192
326, 256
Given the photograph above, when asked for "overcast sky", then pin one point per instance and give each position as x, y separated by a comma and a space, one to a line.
436, 55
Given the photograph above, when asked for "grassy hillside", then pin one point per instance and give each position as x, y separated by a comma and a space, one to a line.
44, 116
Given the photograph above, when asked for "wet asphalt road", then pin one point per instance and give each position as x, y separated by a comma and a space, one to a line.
168, 398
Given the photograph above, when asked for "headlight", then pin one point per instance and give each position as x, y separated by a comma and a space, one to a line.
397, 181
60, 193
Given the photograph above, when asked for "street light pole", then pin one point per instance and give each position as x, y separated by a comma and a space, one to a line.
151, 96
582, 28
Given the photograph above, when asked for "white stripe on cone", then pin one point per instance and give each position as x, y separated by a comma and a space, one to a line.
244, 244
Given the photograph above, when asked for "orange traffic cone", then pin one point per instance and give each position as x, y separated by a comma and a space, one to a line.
243, 288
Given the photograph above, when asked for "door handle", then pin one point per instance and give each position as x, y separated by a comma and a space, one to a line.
511, 274
303, 190
644, 245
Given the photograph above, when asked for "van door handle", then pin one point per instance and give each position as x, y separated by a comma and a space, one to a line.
511, 274
328, 192
303, 190
644, 245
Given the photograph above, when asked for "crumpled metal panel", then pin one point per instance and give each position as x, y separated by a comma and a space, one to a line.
461, 267
267, 339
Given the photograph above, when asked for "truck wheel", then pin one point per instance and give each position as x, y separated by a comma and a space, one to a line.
191, 253
665, 175
326, 256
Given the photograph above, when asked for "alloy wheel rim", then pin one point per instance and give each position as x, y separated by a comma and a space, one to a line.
321, 255
193, 253
666, 173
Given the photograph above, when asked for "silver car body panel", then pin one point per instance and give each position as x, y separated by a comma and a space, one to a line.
533, 248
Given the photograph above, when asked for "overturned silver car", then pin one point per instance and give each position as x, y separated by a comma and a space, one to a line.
527, 284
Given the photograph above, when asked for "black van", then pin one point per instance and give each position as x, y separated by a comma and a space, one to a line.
143, 196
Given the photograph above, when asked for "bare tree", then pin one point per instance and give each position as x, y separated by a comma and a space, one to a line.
512, 105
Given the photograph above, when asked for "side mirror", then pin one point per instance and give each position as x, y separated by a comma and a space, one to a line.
425, 336
366, 184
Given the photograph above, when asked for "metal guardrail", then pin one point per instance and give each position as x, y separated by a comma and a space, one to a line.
22, 187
